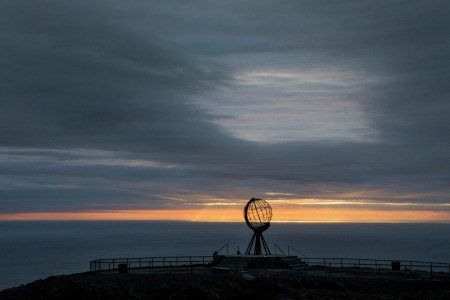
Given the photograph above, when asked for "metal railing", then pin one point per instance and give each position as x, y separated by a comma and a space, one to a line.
147, 264
290, 249
407, 269
275, 247
310, 266
221, 248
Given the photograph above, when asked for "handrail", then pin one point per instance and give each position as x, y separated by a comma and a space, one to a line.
290, 247
218, 251
311, 266
371, 261
275, 246
236, 250
109, 264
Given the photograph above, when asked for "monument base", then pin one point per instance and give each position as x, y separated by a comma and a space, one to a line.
244, 262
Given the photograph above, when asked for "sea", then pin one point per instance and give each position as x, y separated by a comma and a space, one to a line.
35, 250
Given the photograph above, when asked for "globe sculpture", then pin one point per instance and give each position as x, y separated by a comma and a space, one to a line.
257, 215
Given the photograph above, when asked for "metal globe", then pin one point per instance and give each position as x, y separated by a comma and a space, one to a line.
257, 214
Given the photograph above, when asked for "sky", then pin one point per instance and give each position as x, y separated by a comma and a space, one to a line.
332, 111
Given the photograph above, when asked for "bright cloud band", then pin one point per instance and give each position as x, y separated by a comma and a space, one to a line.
235, 215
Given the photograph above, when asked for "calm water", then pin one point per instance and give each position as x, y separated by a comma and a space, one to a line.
34, 250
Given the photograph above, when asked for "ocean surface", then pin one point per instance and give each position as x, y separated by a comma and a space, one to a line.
36, 250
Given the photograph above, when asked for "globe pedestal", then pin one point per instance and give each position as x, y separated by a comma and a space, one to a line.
258, 240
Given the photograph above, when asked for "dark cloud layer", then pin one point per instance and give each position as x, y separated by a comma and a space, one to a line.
121, 81
76, 79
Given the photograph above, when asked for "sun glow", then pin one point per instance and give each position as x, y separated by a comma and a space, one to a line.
207, 215
210, 214
286, 208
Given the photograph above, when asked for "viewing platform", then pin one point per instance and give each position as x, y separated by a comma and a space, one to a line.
270, 265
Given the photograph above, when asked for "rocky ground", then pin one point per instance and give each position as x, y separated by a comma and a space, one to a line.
224, 286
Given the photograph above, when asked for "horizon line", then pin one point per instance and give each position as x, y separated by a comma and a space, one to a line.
235, 216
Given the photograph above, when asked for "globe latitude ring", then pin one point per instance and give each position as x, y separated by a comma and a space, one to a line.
257, 214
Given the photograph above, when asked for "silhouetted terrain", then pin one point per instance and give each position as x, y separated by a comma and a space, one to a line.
223, 286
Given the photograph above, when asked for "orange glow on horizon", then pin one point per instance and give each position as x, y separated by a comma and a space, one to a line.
361, 215
119, 215
235, 215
